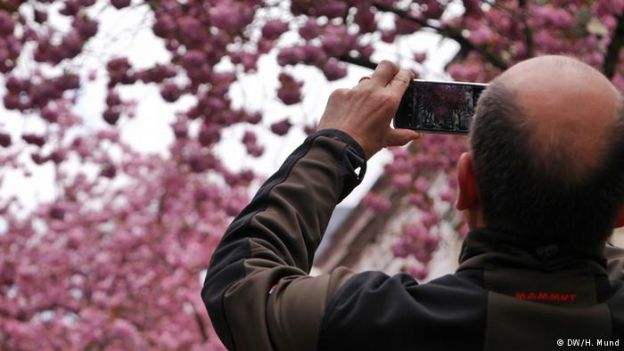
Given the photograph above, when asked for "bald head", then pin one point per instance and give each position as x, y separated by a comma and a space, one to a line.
569, 109
548, 149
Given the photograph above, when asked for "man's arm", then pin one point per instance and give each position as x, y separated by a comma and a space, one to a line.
257, 285
257, 291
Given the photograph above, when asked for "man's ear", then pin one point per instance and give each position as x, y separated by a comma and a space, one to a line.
468, 195
619, 221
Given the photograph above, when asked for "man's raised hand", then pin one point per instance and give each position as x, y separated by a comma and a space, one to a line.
365, 111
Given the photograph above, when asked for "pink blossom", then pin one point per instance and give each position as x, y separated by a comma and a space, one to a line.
401, 181
289, 90
313, 55
331, 9
447, 195
111, 115
191, 30
164, 26
249, 137
376, 202
366, 50
34, 139
415, 231
49, 114
481, 36
15, 85
388, 36
550, 16
119, 4
11, 101
334, 70
113, 99
86, 26
249, 60
309, 30
222, 78
5, 139
170, 92
253, 118
365, 19
40, 16
158, 73
71, 8
420, 57
434, 10
290, 56
273, 29
281, 127
335, 40
264, 46
401, 250
419, 272
118, 69
193, 59
7, 24
108, 171
229, 16
466, 72
208, 134
473, 8
255, 150
421, 185
430, 219
405, 26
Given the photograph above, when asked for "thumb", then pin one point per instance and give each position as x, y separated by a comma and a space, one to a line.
398, 137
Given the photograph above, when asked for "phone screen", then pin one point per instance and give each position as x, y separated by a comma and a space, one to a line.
438, 107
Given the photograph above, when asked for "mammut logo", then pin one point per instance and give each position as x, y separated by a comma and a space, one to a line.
546, 296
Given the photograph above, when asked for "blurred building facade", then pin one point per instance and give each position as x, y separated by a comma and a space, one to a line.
362, 239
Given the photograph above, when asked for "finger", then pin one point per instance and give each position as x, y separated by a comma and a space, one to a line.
384, 73
398, 137
364, 81
400, 82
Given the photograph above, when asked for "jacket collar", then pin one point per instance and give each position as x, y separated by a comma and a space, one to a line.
490, 248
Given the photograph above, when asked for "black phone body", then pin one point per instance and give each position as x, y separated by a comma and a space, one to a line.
438, 107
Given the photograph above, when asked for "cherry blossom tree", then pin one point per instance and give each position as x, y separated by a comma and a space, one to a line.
114, 260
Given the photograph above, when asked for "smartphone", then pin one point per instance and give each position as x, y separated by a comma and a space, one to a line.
438, 107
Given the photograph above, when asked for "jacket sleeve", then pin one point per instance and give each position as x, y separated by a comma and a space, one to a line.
257, 289
615, 261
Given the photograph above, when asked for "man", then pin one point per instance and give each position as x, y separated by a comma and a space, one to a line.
542, 189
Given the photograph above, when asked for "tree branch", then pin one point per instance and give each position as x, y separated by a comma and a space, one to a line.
360, 61
200, 324
528, 33
10, 6
613, 50
449, 33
